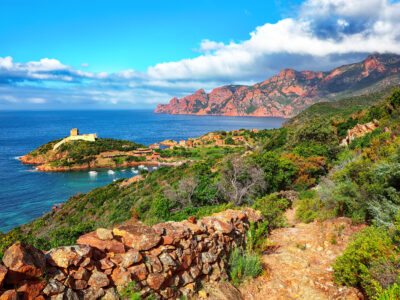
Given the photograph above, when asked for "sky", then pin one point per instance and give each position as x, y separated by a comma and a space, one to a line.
99, 54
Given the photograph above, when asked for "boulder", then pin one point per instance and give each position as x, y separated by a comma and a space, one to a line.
98, 279
3, 273
23, 261
104, 234
94, 241
67, 256
138, 237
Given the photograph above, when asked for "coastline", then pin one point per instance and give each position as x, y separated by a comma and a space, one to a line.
46, 168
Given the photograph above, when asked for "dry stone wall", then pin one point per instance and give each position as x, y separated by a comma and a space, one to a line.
166, 260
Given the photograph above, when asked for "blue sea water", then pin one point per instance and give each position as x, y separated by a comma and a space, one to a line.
26, 194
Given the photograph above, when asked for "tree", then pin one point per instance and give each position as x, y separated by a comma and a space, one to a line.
186, 189
239, 180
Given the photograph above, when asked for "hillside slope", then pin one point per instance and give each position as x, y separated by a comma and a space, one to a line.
290, 92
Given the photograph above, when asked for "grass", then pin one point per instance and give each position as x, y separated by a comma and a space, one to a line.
243, 265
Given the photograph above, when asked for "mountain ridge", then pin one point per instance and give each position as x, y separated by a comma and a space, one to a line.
289, 92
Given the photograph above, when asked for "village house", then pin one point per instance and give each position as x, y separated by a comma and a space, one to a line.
182, 143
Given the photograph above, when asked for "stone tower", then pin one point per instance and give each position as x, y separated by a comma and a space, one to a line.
74, 132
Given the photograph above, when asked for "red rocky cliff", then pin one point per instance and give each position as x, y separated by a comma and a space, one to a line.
290, 92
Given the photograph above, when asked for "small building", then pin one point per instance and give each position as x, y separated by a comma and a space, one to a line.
189, 144
74, 132
75, 136
182, 143
154, 146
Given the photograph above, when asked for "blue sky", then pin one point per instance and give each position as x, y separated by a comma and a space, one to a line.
131, 54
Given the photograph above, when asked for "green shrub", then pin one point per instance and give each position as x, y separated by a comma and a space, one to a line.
308, 206
273, 207
390, 293
243, 265
368, 262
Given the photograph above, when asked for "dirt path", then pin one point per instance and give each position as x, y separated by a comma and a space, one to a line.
300, 267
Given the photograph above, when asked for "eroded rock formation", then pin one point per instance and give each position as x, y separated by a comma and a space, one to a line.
289, 92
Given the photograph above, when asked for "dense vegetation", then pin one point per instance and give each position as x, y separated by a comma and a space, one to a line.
361, 181
81, 152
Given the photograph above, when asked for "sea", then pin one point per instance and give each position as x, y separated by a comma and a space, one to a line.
26, 194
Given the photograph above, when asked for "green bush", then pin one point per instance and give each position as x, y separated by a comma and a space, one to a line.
368, 262
273, 207
390, 293
243, 265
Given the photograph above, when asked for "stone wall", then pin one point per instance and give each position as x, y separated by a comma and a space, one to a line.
166, 260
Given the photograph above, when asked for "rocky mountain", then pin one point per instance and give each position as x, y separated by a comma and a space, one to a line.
289, 92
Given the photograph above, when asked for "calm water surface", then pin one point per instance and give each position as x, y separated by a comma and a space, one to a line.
26, 194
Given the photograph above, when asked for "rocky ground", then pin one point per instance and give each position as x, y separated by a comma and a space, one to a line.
298, 265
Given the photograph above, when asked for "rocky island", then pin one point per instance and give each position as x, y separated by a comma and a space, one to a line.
77, 152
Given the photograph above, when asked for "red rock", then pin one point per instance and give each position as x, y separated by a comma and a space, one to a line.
98, 279
67, 256
106, 263
192, 219
80, 274
3, 273
174, 232
92, 240
130, 258
93, 293
121, 277
23, 261
155, 281
30, 289
104, 234
285, 94
9, 295
139, 272
138, 237
53, 287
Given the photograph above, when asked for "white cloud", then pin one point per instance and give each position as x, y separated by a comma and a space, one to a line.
85, 65
325, 34
207, 46
37, 100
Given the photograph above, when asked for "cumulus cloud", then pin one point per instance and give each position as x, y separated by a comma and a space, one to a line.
323, 34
